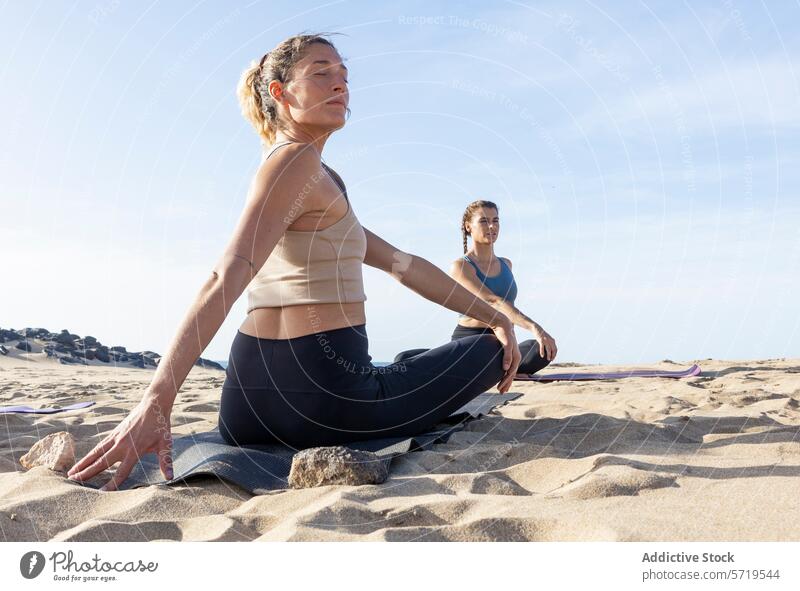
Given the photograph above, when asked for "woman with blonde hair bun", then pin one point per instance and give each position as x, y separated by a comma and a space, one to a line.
299, 371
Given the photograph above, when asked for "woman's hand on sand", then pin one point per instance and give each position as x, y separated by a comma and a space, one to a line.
547, 344
504, 331
145, 429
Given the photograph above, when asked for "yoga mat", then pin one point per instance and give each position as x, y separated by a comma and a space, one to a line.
262, 468
635, 373
44, 411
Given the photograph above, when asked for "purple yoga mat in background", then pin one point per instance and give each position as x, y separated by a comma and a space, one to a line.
44, 411
634, 373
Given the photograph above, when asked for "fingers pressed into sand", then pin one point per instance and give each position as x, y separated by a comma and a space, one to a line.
122, 472
100, 449
105, 462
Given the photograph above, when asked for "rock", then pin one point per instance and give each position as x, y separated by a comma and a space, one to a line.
3, 350
102, 355
24, 345
119, 349
208, 364
56, 451
90, 341
318, 466
64, 338
68, 360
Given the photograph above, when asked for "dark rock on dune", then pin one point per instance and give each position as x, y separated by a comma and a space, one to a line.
72, 360
207, 364
70, 348
9, 335
65, 338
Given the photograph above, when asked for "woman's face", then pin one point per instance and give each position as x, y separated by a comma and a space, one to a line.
484, 226
316, 80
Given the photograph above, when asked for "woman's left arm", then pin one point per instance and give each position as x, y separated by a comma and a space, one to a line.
426, 279
547, 344
433, 284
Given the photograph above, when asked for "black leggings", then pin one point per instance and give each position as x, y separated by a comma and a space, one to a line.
322, 389
531, 360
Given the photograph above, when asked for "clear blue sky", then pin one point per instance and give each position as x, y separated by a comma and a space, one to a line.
644, 157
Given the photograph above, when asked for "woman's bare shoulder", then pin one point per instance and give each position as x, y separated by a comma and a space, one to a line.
289, 165
459, 265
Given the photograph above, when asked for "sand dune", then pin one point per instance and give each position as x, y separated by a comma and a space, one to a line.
714, 457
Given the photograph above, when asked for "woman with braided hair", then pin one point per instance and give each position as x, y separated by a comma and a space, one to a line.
489, 277
299, 371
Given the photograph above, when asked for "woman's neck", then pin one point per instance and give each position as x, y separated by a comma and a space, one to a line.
483, 253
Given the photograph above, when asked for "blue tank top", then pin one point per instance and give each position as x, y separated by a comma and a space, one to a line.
502, 285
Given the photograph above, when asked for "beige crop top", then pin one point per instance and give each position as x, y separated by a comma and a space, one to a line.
313, 267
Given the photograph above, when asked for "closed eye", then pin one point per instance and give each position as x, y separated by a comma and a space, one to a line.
326, 73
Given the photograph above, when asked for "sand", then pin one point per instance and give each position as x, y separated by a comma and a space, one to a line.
710, 458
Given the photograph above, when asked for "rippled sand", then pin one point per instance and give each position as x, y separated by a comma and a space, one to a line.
714, 457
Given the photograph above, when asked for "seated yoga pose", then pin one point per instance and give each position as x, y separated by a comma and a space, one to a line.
299, 371
490, 277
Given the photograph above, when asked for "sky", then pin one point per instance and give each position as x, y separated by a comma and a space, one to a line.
644, 157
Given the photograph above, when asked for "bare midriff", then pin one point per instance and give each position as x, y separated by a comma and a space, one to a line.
472, 323
290, 322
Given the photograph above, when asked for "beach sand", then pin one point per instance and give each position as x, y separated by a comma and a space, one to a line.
713, 457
